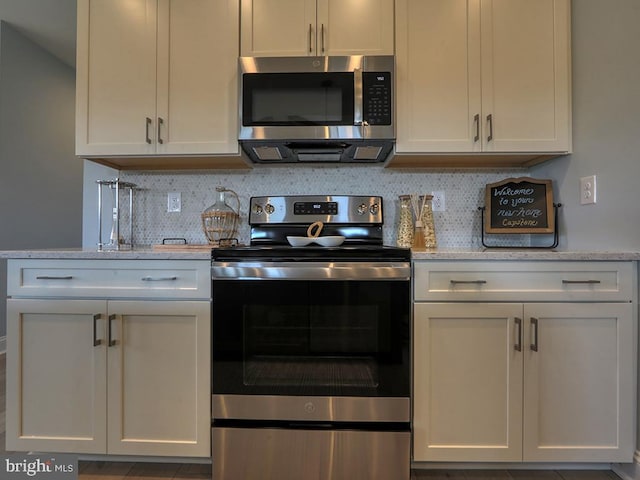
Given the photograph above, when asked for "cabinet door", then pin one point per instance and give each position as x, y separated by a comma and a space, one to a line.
351, 27
116, 77
525, 75
483, 76
56, 376
467, 382
580, 383
273, 28
197, 77
438, 71
159, 378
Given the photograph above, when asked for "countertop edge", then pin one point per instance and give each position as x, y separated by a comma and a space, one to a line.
81, 254
526, 254
436, 254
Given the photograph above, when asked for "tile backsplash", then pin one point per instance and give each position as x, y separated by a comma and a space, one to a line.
458, 226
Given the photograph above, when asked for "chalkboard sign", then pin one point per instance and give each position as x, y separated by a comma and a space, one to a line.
520, 205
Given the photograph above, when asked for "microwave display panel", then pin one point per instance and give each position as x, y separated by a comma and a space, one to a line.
282, 99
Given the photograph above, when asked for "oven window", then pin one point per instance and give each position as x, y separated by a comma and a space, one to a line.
328, 346
289, 99
311, 338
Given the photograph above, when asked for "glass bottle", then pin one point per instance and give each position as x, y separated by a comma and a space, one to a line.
404, 237
428, 223
220, 221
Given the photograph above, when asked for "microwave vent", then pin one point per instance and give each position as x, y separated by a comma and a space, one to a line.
267, 153
367, 153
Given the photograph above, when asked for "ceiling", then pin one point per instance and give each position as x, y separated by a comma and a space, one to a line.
49, 23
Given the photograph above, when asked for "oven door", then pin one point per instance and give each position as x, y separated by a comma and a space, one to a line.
307, 329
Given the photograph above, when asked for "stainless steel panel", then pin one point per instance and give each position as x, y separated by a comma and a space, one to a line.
351, 209
279, 454
348, 63
309, 408
310, 271
305, 132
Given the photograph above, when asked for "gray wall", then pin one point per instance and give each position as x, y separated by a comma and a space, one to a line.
606, 129
41, 180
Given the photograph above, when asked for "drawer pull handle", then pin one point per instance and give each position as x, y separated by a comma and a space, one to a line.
472, 282
159, 279
96, 340
52, 277
112, 342
534, 326
586, 282
518, 345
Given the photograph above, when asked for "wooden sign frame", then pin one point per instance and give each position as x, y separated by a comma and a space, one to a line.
520, 205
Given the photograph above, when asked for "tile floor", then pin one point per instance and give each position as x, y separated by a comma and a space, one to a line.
100, 470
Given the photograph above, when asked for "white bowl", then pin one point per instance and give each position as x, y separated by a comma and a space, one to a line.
330, 240
299, 241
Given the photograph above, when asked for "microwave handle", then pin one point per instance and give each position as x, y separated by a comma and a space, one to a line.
358, 99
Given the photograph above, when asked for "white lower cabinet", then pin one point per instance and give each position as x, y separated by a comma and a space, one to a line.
524, 382
101, 376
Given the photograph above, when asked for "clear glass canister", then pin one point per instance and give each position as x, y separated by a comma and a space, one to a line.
220, 221
404, 237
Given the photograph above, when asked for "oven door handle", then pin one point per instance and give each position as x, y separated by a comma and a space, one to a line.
311, 271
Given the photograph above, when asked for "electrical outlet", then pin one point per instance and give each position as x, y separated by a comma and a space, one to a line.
588, 190
174, 202
437, 203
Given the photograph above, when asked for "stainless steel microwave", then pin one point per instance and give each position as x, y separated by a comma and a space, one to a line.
317, 109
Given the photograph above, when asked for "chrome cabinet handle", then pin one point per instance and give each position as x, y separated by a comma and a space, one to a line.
112, 342
476, 121
146, 130
471, 282
518, 345
534, 326
158, 279
96, 340
586, 282
53, 277
310, 39
160, 123
322, 36
490, 120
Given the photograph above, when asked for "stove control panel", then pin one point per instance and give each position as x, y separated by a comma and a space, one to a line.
302, 209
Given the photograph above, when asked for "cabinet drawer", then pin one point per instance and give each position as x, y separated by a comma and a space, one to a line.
523, 281
109, 278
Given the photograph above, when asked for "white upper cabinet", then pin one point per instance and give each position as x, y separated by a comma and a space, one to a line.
157, 77
317, 27
483, 76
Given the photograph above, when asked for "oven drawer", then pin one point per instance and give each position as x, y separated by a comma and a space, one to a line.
164, 279
294, 454
523, 281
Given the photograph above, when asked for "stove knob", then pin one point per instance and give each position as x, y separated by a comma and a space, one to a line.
374, 209
257, 209
362, 209
269, 208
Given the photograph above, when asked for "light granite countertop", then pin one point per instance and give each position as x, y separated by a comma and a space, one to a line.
436, 254
141, 253
524, 254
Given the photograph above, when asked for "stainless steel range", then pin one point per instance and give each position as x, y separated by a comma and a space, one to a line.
311, 361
